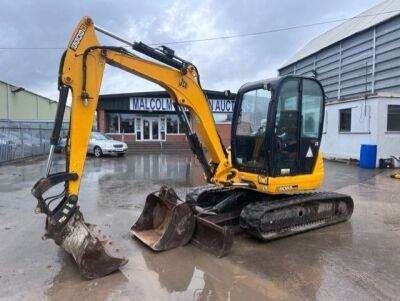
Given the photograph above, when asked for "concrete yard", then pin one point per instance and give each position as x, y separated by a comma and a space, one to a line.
356, 260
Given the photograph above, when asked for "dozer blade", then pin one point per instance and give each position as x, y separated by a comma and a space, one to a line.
93, 250
212, 237
165, 222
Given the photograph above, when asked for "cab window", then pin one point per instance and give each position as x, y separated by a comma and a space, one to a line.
250, 131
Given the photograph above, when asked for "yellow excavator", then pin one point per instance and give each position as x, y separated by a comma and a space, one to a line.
259, 183
396, 176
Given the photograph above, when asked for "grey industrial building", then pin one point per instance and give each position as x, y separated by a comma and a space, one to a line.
358, 63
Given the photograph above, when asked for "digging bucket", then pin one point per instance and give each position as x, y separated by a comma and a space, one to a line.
165, 222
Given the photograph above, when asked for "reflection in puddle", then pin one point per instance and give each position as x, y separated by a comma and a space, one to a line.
285, 269
200, 276
126, 182
68, 285
162, 168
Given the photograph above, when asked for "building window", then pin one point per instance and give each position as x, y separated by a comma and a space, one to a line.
112, 123
393, 118
345, 120
181, 127
222, 117
172, 124
127, 123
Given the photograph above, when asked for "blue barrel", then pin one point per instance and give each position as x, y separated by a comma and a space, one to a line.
368, 156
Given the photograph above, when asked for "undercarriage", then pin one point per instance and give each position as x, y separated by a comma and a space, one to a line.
217, 213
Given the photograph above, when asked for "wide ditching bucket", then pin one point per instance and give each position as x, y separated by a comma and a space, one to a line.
165, 222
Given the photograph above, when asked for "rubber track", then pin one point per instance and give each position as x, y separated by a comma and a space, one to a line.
252, 215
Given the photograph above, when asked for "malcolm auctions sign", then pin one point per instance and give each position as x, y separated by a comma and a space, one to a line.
166, 104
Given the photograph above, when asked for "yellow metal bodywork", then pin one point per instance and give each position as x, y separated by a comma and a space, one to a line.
289, 184
396, 176
184, 89
82, 114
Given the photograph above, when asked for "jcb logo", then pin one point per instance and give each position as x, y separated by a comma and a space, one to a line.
183, 83
78, 38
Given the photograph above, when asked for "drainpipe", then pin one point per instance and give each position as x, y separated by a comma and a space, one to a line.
7, 102
37, 107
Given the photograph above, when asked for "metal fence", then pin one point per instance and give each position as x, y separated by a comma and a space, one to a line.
20, 140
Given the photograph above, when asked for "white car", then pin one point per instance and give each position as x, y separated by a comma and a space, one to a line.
100, 144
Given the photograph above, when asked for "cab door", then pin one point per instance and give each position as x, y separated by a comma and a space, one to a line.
285, 137
297, 126
312, 116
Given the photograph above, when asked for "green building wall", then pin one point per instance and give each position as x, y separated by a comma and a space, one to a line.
25, 105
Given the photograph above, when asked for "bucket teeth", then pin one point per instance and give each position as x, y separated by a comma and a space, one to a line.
92, 249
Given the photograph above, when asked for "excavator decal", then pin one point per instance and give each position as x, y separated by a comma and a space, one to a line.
78, 37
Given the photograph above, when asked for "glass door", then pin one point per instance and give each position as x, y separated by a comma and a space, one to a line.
298, 127
146, 129
138, 129
150, 129
286, 134
312, 112
155, 135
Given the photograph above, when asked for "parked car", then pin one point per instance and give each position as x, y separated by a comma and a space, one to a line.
60, 146
7, 148
62, 140
100, 144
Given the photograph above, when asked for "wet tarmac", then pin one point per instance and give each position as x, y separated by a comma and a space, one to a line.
356, 260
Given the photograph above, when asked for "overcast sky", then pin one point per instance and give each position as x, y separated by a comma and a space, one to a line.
223, 64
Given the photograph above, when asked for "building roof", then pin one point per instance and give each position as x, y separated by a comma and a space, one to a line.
16, 103
20, 88
367, 19
209, 93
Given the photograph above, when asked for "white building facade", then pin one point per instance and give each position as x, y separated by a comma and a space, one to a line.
351, 123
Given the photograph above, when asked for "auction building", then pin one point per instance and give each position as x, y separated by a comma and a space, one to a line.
148, 121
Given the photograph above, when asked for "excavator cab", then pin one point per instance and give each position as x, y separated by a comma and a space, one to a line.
277, 126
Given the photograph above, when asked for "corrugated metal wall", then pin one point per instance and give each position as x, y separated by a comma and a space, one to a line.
366, 62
